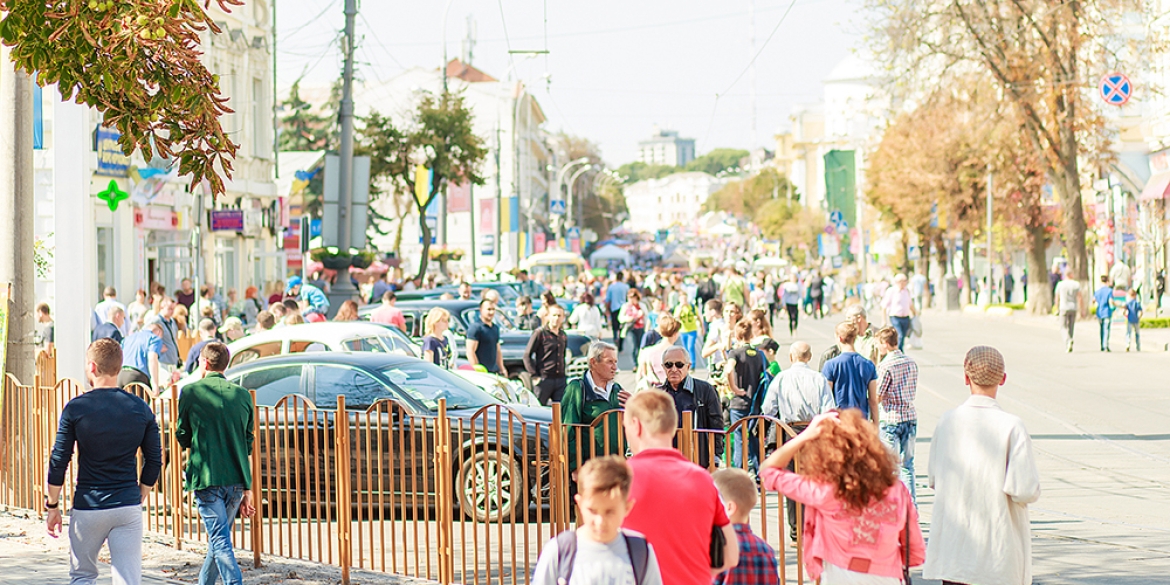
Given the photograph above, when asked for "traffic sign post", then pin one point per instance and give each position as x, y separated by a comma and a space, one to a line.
1116, 89
556, 206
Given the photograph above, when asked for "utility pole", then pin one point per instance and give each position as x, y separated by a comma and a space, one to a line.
990, 278
443, 194
343, 289
275, 100
751, 55
16, 206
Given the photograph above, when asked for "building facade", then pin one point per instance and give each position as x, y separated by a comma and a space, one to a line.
664, 147
673, 200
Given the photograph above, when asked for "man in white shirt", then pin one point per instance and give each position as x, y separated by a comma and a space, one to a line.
103, 309
899, 308
984, 476
1068, 301
795, 396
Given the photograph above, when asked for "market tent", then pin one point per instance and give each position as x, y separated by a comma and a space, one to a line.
723, 230
677, 259
606, 253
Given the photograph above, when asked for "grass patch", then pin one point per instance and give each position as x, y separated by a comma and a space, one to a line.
1155, 323
1012, 306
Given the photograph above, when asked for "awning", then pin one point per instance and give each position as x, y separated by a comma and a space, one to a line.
1156, 187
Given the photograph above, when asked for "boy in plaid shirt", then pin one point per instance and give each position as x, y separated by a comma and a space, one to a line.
897, 386
757, 559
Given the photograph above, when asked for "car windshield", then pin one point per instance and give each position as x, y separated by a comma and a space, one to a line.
427, 383
501, 319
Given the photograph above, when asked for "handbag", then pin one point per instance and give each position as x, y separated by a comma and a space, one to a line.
718, 541
906, 543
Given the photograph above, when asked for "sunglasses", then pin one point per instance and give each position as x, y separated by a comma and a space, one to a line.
674, 365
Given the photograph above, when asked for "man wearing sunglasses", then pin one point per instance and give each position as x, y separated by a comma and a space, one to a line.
697, 396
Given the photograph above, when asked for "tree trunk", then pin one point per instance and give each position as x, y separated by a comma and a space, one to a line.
1038, 291
967, 267
1068, 186
426, 240
906, 265
940, 247
926, 244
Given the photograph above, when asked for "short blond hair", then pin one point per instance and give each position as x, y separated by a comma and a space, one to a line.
434, 316
606, 475
737, 486
655, 410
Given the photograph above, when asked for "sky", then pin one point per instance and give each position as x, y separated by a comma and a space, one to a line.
614, 69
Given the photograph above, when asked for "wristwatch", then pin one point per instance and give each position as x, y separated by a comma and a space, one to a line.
52, 506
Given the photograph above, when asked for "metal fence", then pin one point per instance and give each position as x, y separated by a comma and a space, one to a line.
455, 499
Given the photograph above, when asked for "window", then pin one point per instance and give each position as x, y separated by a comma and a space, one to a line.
306, 346
261, 120
371, 344
359, 388
411, 322
427, 383
255, 352
272, 384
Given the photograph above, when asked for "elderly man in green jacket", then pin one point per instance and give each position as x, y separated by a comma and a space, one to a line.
588, 397
215, 423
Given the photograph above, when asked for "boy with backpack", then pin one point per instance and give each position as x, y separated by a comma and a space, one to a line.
600, 551
757, 559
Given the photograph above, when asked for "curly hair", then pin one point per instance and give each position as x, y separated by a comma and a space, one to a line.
850, 456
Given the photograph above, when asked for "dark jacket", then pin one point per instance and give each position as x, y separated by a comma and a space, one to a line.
582, 406
700, 397
545, 355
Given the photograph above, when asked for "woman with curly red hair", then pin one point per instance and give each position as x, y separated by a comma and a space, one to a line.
857, 513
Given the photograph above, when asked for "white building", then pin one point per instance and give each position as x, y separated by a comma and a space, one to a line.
676, 199
491, 222
665, 147
160, 232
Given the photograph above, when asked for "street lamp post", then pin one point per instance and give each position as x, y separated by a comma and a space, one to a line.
569, 202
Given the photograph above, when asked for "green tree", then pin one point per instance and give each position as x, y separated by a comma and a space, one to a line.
438, 136
745, 197
640, 171
137, 62
717, 161
301, 128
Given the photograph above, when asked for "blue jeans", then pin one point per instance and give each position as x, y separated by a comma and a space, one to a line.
218, 507
1104, 324
753, 461
902, 324
688, 342
1133, 330
900, 437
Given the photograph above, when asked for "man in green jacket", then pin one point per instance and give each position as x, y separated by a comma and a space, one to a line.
215, 423
588, 397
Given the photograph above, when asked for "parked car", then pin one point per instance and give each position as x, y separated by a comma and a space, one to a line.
503, 389
392, 401
356, 336
513, 341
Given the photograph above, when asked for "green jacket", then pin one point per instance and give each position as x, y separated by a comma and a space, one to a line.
215, 423
580, 407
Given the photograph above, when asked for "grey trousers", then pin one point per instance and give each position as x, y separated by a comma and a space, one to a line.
90, 529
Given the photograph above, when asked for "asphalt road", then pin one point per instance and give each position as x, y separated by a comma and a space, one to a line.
1100, 424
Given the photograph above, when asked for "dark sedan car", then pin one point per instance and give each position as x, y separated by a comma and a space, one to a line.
513, 341
499, 456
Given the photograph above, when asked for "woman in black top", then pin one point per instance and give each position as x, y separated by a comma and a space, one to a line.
436, 348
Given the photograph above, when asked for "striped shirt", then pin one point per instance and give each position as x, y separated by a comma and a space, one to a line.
897, 386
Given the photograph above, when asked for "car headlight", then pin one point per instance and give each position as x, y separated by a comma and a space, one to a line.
585, 348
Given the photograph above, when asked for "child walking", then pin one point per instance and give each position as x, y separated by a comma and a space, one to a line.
757, 559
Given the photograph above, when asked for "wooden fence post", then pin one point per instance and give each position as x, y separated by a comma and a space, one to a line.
444, 496
258, 516
344, 493
686, 444
558, 476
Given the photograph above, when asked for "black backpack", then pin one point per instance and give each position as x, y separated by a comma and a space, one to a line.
637, 547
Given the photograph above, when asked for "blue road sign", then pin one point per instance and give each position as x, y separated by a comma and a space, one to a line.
1116, 89
556, 206
836, 216
573, 233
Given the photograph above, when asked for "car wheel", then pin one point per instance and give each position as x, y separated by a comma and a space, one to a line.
489, 485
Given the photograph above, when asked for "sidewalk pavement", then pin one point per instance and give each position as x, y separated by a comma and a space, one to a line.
22, 564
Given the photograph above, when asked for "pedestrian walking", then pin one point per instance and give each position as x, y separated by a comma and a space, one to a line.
746, 369
794, 397
586, 317
109, 301
388, 314
1067, 295
679, 508
215, 420
713, 351
436, 348
897, 388
483, 340
1104, 298
690, 326
615, 296
544, 358
861, 525
113, 328
186, 294
1133, 320
109, 429
852, 377
984, 476
790, 298
865, 344
734, 288
586, 399
816, 293
44, 337
600, 551
650, 373
526, 318
699, 397
633, 319
140, 358
318, 303
757, 559
206, 335
899, 307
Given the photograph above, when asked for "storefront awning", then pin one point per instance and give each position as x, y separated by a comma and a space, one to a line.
1156, 187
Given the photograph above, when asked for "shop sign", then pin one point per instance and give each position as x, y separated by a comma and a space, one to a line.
155, 218
227, 220
111, 162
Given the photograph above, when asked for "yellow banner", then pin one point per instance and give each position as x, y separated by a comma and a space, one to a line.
422, 183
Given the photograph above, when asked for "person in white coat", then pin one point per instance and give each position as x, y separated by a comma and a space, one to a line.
984, 476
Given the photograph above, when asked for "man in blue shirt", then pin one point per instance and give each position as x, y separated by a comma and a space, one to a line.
1104, 296
615, 297
318, 302
483, 341
852, 378
109, 428
140, 357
